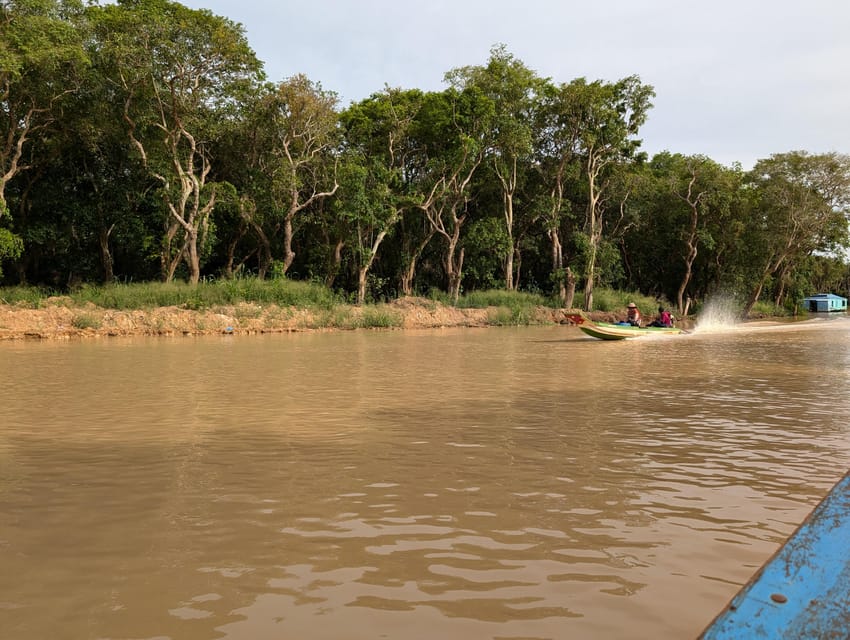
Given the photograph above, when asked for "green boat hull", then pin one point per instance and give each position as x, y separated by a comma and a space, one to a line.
609, 331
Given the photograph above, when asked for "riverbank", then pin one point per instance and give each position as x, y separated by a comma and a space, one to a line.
60, 319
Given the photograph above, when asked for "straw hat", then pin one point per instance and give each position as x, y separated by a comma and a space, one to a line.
631, 305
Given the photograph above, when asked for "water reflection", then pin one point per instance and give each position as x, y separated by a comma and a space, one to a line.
455, 484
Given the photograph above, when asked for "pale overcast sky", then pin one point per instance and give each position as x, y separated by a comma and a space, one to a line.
736, 80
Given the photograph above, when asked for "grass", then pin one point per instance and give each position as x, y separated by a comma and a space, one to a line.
379, 317
86, 321
271, 301
507, 308
510, 317
769, 309
613, 300
31, 297
205, 295
502, 298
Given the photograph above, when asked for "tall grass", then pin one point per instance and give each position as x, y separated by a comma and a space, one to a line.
32, 297
611, 300
204, 295
379, 317
508, 307
768, 309
502, 298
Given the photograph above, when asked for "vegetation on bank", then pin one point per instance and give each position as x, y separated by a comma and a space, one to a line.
280, 292
143, 143
251, 306
274, 303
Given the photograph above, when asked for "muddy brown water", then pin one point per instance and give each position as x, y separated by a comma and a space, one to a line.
454, 484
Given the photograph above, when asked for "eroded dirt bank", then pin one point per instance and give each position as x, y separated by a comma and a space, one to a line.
58, 319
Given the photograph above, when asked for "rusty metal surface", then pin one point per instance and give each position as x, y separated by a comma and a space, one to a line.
803, 591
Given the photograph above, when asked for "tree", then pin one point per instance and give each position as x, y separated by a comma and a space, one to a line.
610, 116
299, 124
514, 90
41, 54
802, 207
702, 191
452, 131
558, 132
377, 137
175, 69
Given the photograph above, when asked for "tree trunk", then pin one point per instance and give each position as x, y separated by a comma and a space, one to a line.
363, 271
591, 270
456, 277
570, 289
783, 282
517, 266
594, 225
751, 301
406, 279
588, 295
336, 261
691, 242
167, 260
227, 271
509, 226
288, 253
193, 260
686, 279
453, 264
755, 294
362, 274
408, 273
508, 179
264, 251
558, 264
106, 255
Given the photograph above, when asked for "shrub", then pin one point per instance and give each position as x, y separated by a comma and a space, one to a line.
86, 321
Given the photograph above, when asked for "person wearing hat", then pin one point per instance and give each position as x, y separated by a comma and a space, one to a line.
633, 314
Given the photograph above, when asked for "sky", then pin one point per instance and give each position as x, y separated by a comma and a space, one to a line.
735, 80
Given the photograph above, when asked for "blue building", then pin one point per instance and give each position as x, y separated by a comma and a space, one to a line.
825, 302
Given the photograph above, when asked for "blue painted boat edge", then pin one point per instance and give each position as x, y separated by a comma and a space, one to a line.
803, 590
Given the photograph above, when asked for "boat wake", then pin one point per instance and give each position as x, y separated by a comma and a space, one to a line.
718, 315
723, 316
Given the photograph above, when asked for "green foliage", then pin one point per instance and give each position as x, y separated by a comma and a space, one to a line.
510, 317
379, 316
86, 321
487, 246
501, 298
424, 179
613, 300
764, 308
31, 297
11, 246
280, 292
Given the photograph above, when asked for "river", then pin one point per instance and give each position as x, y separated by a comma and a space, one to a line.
459, 484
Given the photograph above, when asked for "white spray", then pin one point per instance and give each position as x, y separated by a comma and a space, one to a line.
719, 313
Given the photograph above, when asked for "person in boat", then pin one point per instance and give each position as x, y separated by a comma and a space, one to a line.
633, 314
664, 319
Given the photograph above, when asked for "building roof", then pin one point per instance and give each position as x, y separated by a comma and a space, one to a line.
824, 296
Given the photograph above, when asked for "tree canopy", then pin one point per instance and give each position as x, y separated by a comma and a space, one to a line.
141, 140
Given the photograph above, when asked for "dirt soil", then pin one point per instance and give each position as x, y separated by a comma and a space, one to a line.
60, 319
